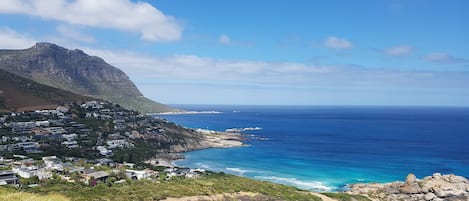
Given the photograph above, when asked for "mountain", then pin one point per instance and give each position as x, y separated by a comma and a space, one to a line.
77, 72
20, 94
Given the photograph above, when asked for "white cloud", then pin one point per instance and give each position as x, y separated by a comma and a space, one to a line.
333, 42
195, 68
124, 15
224, 39
73, 33
441, 57
9, 39
400, 50
191, 70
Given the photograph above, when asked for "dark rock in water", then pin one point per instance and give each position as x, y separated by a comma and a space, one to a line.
77, 72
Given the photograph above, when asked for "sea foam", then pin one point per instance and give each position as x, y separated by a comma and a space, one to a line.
311, 185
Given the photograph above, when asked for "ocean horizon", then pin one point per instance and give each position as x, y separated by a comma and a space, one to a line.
324, 148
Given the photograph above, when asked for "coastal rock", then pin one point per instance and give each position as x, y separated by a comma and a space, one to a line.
429, 196
410, 179
410, 189
431, 188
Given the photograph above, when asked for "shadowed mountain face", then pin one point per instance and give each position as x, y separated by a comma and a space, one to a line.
77, 72
20, 94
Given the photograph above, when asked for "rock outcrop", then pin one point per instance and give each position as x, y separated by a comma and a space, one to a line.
431, 188
77, 72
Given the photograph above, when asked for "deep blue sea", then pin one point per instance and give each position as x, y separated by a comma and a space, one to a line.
325, 147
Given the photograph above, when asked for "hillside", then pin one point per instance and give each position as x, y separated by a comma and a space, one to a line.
20, 94
77, 72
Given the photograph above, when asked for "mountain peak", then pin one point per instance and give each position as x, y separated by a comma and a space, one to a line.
46, 45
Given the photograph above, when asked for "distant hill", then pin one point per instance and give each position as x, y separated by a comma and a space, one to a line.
20, 94
77, 72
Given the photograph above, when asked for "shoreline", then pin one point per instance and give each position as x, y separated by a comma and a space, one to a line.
211, 140
185, 112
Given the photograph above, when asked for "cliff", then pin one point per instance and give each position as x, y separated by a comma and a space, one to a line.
77, 72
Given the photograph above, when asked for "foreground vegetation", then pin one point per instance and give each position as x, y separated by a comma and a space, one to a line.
14, 195
346, 197
214, 183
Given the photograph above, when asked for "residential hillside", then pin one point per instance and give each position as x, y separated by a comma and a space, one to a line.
77, 72
20, 94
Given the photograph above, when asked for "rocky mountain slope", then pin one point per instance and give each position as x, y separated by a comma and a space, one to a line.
77, 72
20, 94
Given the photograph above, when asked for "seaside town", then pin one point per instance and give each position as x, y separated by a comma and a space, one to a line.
90, 143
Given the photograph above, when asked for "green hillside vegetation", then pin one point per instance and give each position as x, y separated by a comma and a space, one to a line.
346, 197
18, 94
215, 183
14, 195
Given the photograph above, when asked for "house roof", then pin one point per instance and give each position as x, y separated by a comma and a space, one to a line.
98, 174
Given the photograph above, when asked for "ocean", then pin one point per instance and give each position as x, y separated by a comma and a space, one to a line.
324, 148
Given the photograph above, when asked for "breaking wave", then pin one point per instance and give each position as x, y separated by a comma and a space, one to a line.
310, 185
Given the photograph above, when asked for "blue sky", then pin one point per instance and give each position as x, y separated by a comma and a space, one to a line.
295, 52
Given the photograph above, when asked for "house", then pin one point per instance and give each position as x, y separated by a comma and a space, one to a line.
40, 131
98, 176
53, 163
56, 130
58, 122
79, 126
31, 171
25, 172
69, 137
62, 109
139, 174
42, 123
8, 177
112, 144
3, 119
91, 105
29, 147
103, 151
21, 138
70, 144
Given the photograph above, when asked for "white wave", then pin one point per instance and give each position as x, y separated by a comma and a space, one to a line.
238, 170
203, 166
188, 112
239, 130
310, 185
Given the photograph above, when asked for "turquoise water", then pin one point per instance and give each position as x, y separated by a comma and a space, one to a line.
325, 148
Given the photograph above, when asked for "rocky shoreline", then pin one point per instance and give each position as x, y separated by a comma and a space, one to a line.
210, 139
431, 188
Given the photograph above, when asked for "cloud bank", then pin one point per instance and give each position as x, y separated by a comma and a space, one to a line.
191, 69
123, 15
9, 39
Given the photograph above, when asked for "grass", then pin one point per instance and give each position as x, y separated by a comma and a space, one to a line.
216, 183
346, 197
13, 195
